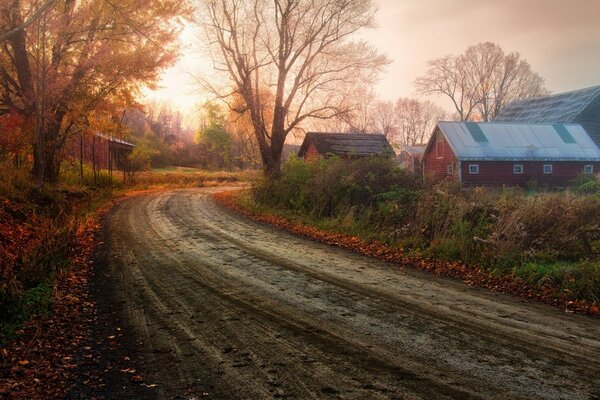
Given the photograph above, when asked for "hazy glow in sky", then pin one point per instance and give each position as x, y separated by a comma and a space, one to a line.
559, 38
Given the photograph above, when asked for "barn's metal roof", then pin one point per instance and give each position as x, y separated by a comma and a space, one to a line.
347, 144
562, 107
115, 140
415, 151
514, 141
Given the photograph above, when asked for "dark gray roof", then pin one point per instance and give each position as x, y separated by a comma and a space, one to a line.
415, 151
347, 144
562, 107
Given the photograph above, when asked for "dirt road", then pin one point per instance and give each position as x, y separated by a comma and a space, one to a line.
224, 308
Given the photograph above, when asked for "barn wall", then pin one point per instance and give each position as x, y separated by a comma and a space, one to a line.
501, 172
434, 165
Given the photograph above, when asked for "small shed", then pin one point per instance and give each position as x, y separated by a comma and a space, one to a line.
411, 158
102, 151
346, 145
576, 107
480, 153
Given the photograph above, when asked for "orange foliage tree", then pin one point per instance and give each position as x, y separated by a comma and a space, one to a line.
76, 56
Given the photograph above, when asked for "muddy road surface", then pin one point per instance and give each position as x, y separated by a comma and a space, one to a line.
222, 307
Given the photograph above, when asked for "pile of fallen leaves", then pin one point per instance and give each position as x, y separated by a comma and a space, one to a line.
40, 362
20, 234
472, 275
51, 352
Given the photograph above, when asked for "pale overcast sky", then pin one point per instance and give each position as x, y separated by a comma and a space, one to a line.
559, 38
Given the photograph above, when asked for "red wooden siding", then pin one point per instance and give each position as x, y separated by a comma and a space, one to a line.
311, 153
98, 149
94, 148
437, 158
501, 172
411, 163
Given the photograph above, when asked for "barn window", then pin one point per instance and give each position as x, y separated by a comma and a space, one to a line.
588, 169
517, 168
439, 146
473, 168
450, 169
547, 168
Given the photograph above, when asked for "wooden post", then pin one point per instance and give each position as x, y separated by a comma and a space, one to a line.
94, 158
81, 138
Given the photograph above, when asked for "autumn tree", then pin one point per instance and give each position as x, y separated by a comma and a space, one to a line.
294, 57
213, 133
247, 153
481, 81
74, 56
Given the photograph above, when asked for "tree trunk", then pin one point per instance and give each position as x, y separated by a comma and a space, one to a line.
52, 172
272, 168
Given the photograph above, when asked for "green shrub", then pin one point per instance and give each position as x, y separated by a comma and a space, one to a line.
591, 186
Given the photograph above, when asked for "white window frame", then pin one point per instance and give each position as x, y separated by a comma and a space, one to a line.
588, 169
473, 169
547, 169
450, 169
518, 169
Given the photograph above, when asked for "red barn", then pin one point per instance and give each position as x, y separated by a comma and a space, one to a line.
345, 145
487, 153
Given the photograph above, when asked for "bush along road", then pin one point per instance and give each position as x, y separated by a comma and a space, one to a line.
213, 305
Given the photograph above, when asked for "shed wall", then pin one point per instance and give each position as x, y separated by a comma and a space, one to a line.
312, 153
97, 149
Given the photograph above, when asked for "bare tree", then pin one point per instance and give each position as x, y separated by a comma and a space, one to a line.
361, 106
288, 59
385, 119
481, 81
415, 121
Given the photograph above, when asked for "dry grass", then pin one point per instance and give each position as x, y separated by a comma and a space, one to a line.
190, 178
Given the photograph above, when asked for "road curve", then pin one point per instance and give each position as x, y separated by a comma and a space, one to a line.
226, 308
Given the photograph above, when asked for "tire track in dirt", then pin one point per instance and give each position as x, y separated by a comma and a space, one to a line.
227, 308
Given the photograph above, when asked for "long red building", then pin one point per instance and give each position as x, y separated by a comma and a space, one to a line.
477, 153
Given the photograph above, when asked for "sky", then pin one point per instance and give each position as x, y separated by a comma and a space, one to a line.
559, 38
